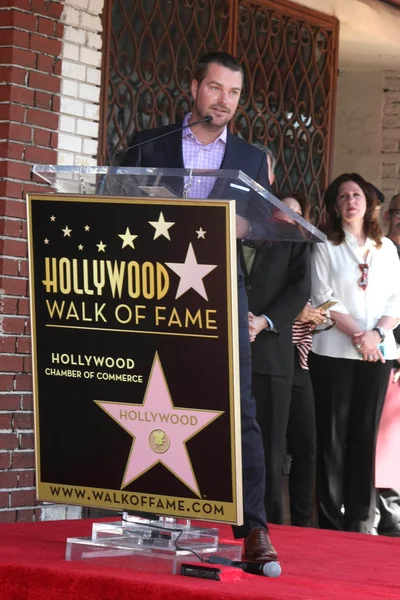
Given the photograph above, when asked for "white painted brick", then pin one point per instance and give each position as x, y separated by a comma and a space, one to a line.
72, 107
83, 4
69, 88
73, 70
90, 147
392, 108
390, 171
389, 145
89, 128
392, 134
94, 40
67, 124
92, 22
70, 51
393, 183
392, 96
72, 34
389, 122
72, 143
89, 92
65, 159
96, 6
92, 111
70, 16
85, 161
90, 57
392, 74
391, 158
93, 76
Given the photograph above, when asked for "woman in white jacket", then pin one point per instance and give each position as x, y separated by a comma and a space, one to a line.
359, 271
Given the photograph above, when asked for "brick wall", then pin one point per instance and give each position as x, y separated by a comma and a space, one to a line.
50, 55
391, 135
30, 49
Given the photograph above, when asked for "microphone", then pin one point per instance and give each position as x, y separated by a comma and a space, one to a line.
206, 119
268, 569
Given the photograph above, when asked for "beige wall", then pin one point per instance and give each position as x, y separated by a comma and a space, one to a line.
359, 124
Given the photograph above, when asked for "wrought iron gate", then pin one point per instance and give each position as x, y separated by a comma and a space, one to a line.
289, 54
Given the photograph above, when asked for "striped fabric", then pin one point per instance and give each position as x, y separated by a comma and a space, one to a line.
302, 339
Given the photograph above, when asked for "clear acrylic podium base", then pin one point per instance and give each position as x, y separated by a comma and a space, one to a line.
159, 545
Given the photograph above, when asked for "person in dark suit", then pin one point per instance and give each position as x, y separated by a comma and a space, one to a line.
216, 89
278, 287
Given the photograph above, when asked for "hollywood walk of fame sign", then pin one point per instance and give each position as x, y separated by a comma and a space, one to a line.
134, 326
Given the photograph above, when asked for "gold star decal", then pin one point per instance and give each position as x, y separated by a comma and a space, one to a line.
46, 241
87, 227
161, 227
80, 247
101, 247
201, 234
52, 218
127, 238
67, 231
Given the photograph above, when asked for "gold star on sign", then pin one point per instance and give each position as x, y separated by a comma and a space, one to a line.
127, 238
87, 227
46, 241
67, 231
52, 218
80, 247
201, 234
161, 227
101, 247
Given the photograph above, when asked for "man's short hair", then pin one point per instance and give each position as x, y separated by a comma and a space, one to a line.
395, 198
218, 58
269, 153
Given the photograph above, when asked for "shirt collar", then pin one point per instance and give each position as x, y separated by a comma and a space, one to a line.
351, 239
189, 132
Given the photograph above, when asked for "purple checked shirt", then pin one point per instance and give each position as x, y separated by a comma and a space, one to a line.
201, 156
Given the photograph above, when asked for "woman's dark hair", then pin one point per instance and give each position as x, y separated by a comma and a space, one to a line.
333, 225
302, 200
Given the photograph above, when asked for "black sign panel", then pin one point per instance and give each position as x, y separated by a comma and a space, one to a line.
134, 331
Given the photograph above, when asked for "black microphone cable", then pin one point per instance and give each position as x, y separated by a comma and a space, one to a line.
270, 569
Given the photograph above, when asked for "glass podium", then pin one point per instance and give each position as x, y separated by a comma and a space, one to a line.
163, 543
272, 219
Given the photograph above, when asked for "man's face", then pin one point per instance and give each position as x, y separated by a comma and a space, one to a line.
217, 95
393, 216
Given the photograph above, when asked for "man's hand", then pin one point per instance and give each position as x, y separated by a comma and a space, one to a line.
309, 314
242, 227
256, 324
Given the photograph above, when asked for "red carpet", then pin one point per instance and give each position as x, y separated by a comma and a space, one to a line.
315, 564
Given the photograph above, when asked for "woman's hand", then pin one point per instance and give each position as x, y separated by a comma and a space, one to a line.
309, 314
366, 343
256, 324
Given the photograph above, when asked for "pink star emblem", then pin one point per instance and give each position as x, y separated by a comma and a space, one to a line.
191, 274
159, 430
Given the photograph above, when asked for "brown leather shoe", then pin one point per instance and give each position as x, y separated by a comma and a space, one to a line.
258, 546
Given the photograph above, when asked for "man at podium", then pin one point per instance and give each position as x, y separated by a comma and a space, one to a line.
216, 90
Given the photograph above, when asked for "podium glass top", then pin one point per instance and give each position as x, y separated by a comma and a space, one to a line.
269, 218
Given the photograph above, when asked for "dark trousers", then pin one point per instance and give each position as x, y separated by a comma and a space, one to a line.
349, 396
302, 446
273, 394
252, 446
